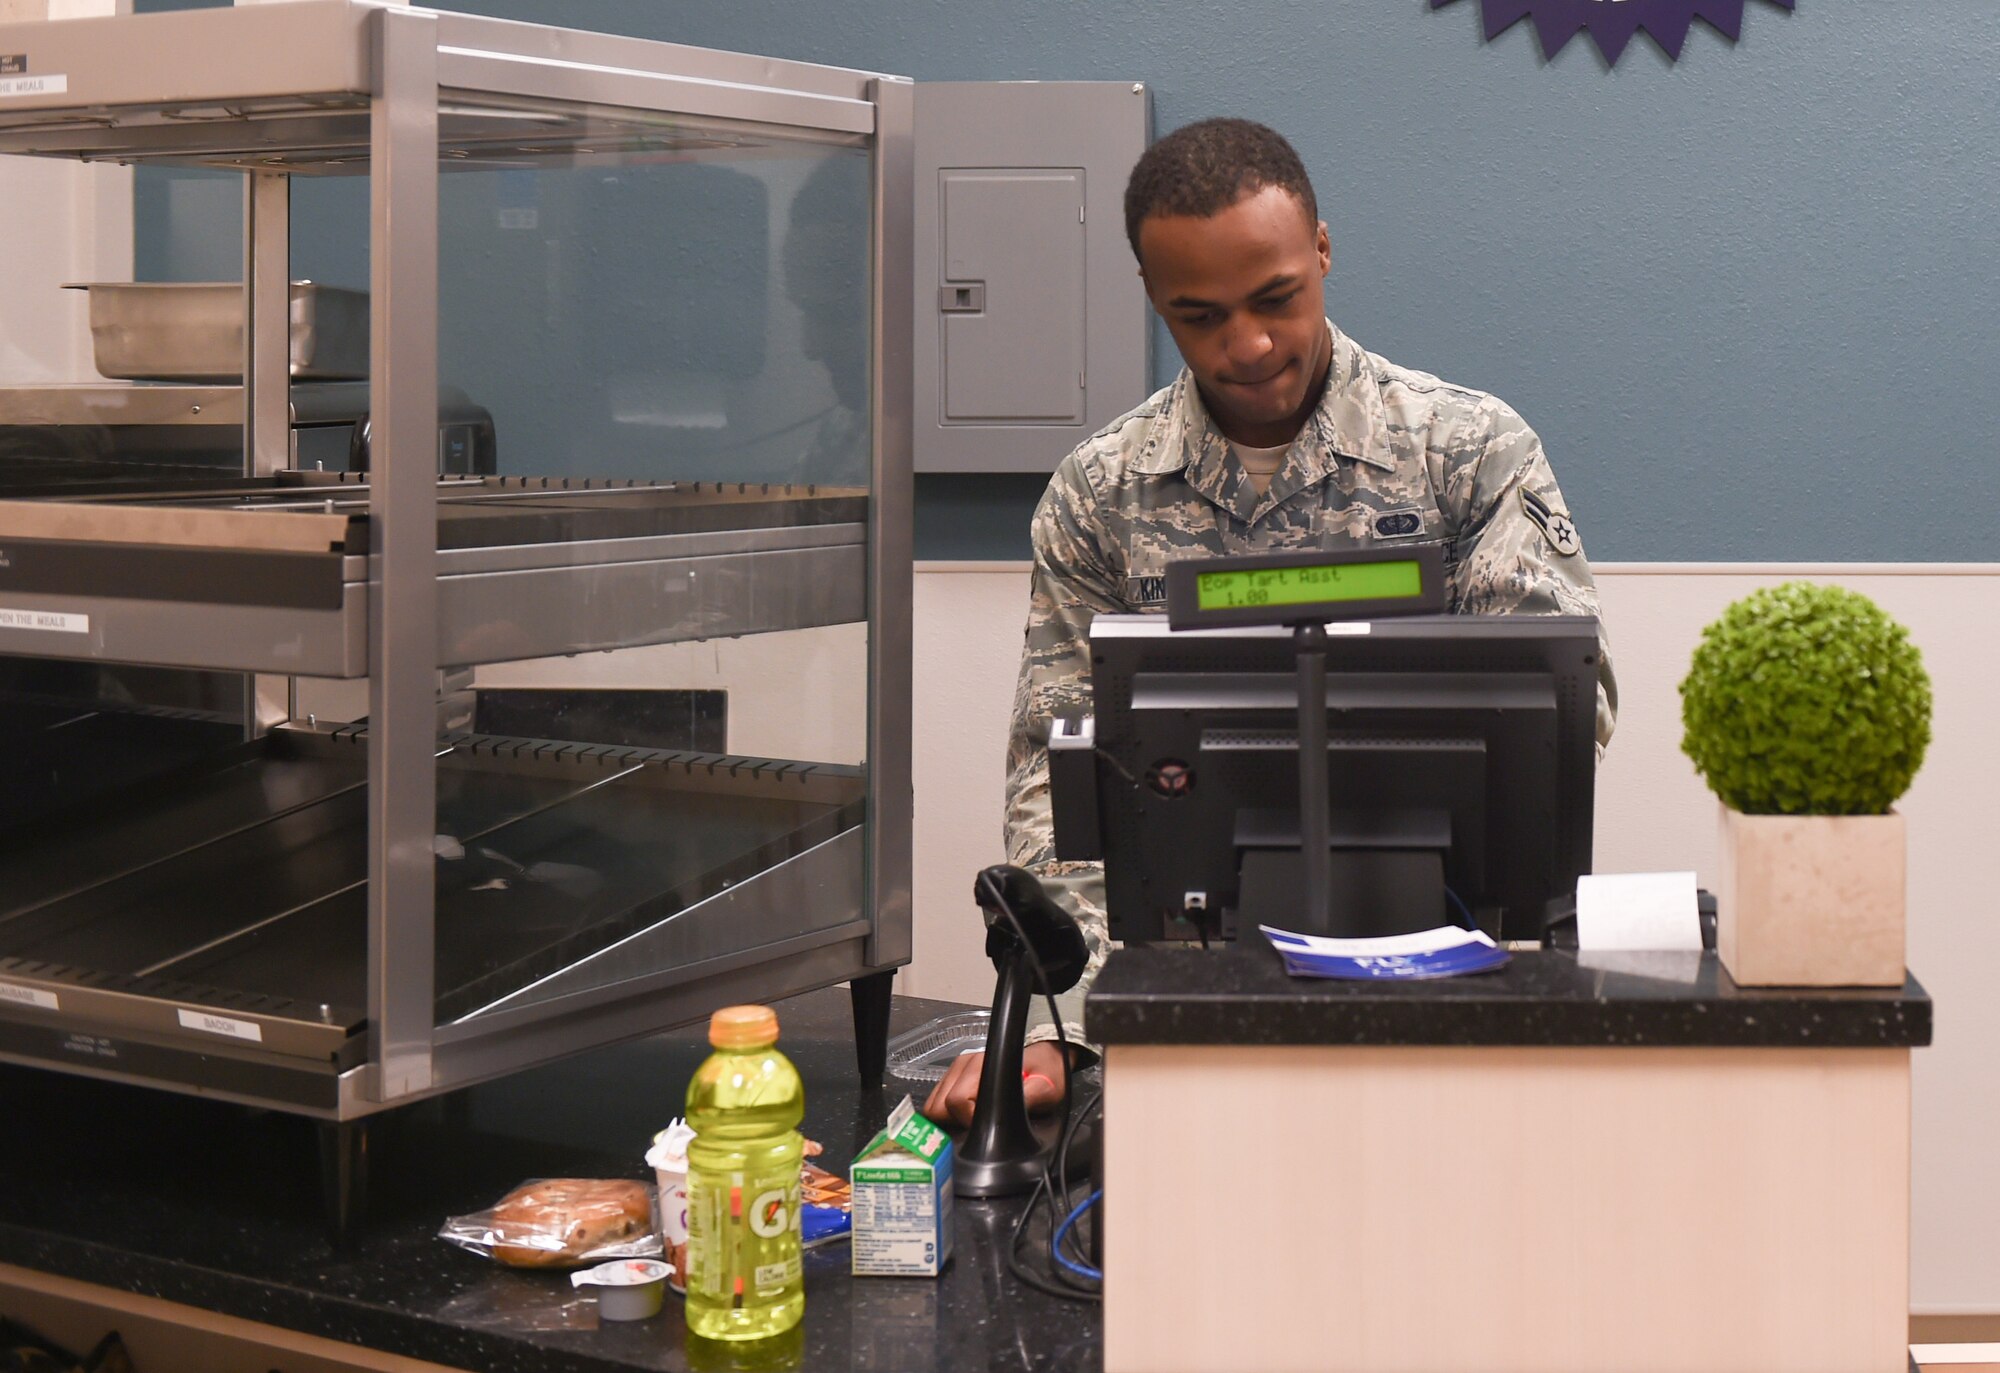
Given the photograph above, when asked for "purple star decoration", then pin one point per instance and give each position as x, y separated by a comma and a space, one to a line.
1613, 22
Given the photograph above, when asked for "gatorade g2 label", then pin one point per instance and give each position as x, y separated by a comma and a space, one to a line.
768, 1214
741, 1232
771, 1215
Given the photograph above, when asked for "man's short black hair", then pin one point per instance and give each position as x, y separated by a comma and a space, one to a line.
1201, 169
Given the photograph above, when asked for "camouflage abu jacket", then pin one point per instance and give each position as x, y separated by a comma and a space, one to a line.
1389, 456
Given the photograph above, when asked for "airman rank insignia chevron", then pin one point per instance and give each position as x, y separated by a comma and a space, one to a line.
1556, 526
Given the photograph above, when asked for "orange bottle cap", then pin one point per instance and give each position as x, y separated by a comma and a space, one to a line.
743, 1027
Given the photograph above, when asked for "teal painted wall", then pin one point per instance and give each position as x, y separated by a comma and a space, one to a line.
1749, 299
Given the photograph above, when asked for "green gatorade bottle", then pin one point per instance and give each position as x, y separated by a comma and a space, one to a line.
744, 1280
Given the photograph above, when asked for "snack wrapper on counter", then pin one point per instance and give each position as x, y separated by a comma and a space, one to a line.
562, 1223
826, 1215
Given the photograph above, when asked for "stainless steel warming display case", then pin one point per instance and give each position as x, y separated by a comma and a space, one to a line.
252, 843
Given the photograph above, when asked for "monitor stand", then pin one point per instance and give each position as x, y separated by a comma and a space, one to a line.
1384, 874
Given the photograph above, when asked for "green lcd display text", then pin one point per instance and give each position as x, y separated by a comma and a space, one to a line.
1278, 586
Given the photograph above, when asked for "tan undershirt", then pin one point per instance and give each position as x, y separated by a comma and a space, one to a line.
1260, 464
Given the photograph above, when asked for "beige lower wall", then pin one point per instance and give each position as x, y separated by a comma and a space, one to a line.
1652, 813
1563, 1209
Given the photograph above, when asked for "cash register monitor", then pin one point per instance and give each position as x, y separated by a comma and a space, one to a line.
1458, 746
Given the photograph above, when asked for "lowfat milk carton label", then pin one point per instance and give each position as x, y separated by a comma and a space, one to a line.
903, 1199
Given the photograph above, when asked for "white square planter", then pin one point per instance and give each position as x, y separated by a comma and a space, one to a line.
1811, 900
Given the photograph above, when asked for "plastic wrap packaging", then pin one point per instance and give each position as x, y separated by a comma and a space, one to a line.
562, 1223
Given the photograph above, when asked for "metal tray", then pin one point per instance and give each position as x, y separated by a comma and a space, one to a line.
193, 331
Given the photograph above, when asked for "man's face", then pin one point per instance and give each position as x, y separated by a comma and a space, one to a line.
1242, 293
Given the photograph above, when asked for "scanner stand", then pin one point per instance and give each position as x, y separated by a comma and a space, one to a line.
1000, 1156
1025, 930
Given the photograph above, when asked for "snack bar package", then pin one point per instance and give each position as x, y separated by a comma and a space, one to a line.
826, 1217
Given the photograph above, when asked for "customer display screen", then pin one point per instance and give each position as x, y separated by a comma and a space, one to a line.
1307, 586
1251, 588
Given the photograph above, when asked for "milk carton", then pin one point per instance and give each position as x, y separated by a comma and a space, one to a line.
902, 1199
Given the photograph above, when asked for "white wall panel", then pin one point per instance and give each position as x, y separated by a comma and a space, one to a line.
799, 694
59, 222
968, 647
1652, 813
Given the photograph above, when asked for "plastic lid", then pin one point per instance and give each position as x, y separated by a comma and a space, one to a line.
743, 1027
622, 1273
670, 1148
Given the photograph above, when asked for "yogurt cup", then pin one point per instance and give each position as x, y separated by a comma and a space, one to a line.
669, 1162
627, 1289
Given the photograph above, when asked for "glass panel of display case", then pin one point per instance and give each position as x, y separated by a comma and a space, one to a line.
665, 337
90, 406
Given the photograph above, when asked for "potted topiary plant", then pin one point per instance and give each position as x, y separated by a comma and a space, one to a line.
1807, 711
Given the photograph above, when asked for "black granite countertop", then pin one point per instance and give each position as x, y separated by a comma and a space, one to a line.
1241, 994
218, 1207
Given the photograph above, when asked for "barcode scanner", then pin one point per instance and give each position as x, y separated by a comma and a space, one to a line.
1036, 947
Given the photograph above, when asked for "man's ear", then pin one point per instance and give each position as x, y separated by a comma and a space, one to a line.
1324, 247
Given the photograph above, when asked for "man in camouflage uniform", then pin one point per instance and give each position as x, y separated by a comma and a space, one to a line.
1280, 434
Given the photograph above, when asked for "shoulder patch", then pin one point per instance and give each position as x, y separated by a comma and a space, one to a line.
1558, 530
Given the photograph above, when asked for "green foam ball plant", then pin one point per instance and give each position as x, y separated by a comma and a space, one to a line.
1805, 699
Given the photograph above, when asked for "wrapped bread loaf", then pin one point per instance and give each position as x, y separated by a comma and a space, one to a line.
562, 1222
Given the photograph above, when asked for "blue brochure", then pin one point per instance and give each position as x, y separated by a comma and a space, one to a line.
1447, 951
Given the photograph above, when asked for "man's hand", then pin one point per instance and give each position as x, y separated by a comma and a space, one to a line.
1046, 1078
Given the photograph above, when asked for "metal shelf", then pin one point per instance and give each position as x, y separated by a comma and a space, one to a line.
272, 575
564, 871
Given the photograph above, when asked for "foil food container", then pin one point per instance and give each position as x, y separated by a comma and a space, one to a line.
193, 331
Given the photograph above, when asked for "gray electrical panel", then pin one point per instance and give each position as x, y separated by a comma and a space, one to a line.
1032, 329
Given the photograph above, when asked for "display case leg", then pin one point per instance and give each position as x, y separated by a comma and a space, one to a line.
343, 1176
871, 1025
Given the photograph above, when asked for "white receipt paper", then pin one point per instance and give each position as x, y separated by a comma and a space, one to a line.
1637, 910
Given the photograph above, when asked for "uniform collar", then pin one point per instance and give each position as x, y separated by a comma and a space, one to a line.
1347, 423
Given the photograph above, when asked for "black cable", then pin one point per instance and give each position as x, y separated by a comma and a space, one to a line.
1117, 765
1062, 1160
1020, 1272
1067, 1141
